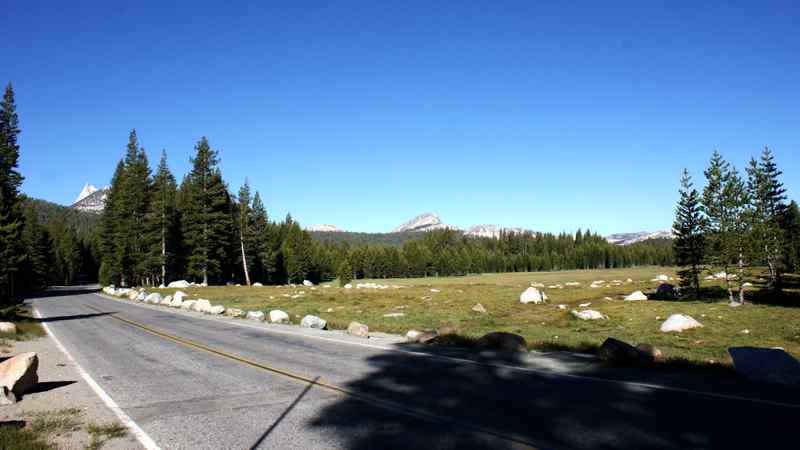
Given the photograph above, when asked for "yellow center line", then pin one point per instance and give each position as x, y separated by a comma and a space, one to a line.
368, 399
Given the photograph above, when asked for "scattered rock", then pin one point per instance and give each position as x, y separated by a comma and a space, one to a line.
358, 329
166, 300
607, 298
132, 295
141, 296
661, 278
423, 337
216, 309
257, 284
394, 314
348, 286
435, 290
562, 306
589, 314
201, 305
255, 315
413, 335
616, 351
188, 304
649, 352
177, 300
503, 341
635, 296
154, 298
234, 312
537, 285
770, 365
532, 295
572, 283
278, 316
8, 327
307, 283
18, 373
479, 309
310, 321
7, 397
679, 322
584, 305
180, 284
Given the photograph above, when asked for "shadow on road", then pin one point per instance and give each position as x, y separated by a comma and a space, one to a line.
540, 409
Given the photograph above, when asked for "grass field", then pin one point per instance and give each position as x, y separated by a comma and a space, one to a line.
27, 326
544, 326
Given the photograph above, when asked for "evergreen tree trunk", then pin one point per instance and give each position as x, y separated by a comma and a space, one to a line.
244, 260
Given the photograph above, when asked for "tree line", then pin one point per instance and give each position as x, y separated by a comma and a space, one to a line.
739, 227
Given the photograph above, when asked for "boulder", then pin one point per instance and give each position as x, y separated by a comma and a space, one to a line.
310, 321
176, 302
161, 286
358, 329
7, 397
662, 278
234, 312
307, 283
479, 309
188, 304
154, 298
649, 352
502, 341
394, 314
616, 351
635, 296
179, 295
589, 314
141, 297
166, 300
18, 373
278, 316
532, 295
348, 286
679, 322
202, 305
216, 310
8, 327
132, 295
255, 315
423, 337
769, 365
180, 284
257, 284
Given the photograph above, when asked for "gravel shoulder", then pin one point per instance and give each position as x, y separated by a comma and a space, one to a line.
65, 406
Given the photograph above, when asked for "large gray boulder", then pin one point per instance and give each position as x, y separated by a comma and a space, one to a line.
216, 309
180, 284
154, 298
8, 327
679, 322
202, 305
636, 296
358, 329
503, 341
589, 314
532, 295
307, 283
166, 300
188, 304
770, 365
234, 312
18, 373
616, 351
423, 337
310, 321
255, 315
278, 316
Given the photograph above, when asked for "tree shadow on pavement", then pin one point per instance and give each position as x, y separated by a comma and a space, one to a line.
486, 404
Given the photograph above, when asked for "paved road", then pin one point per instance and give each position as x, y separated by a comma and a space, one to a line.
187, 398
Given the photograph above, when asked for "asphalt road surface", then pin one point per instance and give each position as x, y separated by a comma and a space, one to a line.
194, 383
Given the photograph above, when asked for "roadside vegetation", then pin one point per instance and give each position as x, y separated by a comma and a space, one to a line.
415, 305
27, 326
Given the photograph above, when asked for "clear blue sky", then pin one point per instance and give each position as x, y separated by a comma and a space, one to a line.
363, 114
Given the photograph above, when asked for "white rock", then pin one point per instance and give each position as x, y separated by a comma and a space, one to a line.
435, 290
589, 314
394, 314
531, 295
572, 283
662, 278
202, 305
255, 315
679, 322
233, 312
161, 286
637, 295
536, 285
8, 327
348, 286
166, 300
584, 305
307, 283
154, 298
358, 329
216, 309
176, 302
179, 295
18, 373
141, 296
278, 316
257, 284
188, 304
479, 308
310, 321
562, 306
180, 284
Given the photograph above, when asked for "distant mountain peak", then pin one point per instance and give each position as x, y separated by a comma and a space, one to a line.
422, 222
324, 227
638, 236
91, 198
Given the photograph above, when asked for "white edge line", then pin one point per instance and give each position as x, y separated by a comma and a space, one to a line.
143, 438
544, 372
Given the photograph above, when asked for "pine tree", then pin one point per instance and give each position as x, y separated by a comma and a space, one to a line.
38, 253
162, 219
790, 224
134, 204
345, 272
261, 241
11, 220
111, 232
298, 253
244, 225
688, 243
768, 198
206, 219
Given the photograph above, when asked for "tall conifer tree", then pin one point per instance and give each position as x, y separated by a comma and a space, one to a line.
11, 220
162, 219
244, 224
688, 243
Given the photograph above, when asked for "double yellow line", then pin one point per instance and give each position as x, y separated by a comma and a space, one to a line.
368, 399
